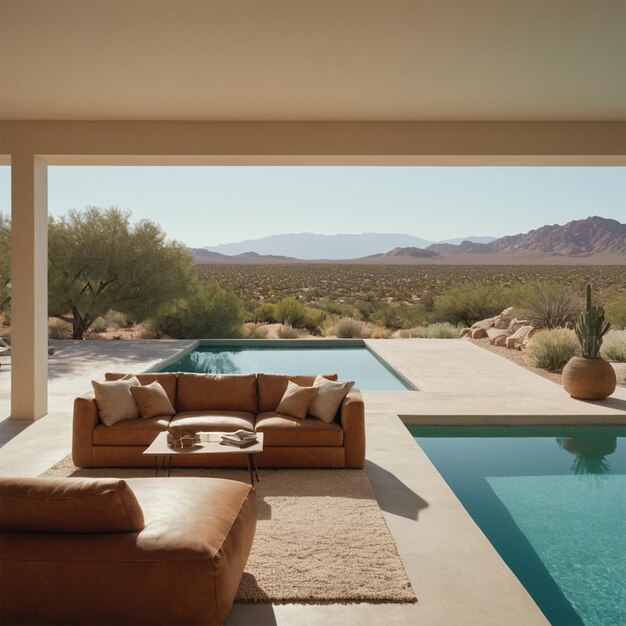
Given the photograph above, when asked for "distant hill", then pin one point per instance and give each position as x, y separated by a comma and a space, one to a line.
594, 236
420, 253
201, 255
310, 246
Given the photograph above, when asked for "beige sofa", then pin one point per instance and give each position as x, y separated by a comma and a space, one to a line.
209, 402
109, 551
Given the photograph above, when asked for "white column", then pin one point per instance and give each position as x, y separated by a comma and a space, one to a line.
29, 287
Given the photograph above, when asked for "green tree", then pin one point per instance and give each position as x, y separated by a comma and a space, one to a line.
5, 261
208, 312
466, 305
98, 261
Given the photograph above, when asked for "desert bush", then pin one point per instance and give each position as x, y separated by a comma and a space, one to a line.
254, 331
551, 349
548, 305
58, 329
615, 311
466, 305
441, 330
314, 321
209, 311
614, 346
99, 325
380, 332
349, 328
117, 319
265, 314
287, 332
291, 311
438, 330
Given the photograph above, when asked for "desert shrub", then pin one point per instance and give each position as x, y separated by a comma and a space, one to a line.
117, 319
438, 330
615, 311
348, 328
551, 349
150, 330
58, 329
291, 311
466, 305
339, 308
387, 315
441, 330
549, 305
287, 332
99, 325
254, 331
380, 332
314, 321
265, 314
614, 346
209, 311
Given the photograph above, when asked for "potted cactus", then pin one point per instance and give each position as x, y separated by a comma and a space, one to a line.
590, 377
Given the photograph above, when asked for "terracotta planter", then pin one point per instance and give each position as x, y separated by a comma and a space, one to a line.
585, 378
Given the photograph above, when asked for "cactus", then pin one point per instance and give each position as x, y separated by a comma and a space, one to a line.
591, 327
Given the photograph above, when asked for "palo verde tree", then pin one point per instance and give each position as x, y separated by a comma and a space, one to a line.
98, 260
5, 261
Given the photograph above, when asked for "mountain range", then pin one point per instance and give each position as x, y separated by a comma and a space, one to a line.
591, 240
310, 246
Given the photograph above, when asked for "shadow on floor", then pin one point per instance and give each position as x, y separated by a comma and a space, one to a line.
392, 494
252, 614
11, 428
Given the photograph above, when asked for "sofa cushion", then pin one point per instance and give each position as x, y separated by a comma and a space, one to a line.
296, 400
281, 430
68, 505
273, 386
152, 400
216, 392
138, 432
167, 380
115, 402
329, 397
213, 421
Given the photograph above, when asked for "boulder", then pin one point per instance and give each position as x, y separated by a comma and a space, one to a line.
484, 324
504, 319
520, 337
478, 333
515, 324
500, 340
464, 332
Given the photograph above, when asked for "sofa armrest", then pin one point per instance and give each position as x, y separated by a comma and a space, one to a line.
353, 424
85, 420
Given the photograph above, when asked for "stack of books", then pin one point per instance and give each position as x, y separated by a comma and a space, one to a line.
240, 439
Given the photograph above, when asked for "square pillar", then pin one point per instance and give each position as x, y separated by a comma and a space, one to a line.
29, 287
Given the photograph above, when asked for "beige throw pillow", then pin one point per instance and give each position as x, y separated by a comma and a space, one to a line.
152, 400
296, 400
114, 400
329, 397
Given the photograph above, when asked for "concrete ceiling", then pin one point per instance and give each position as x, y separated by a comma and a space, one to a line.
485, 60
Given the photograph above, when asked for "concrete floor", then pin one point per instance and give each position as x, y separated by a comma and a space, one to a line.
457, 575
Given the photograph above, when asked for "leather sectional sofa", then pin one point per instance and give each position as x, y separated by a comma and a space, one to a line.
109, 551
209, 402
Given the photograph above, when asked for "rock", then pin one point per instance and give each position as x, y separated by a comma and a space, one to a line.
515, 324
484, 324
478, 333
494, 332
464, 332
504, 319
519, 337
500, 340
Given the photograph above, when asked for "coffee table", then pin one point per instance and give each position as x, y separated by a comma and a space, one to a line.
210, 444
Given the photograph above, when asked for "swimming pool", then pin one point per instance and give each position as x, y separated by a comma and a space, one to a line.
351, 361
552, 501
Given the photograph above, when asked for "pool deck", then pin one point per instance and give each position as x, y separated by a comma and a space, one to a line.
457, 575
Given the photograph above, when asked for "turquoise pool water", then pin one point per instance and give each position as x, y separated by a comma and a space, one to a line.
357, 364
552, 501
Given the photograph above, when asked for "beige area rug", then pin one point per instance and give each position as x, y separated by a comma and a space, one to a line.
321, 536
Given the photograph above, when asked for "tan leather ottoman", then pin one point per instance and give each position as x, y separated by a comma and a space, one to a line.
182, 567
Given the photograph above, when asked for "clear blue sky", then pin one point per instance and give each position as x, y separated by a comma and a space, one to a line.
203, 206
